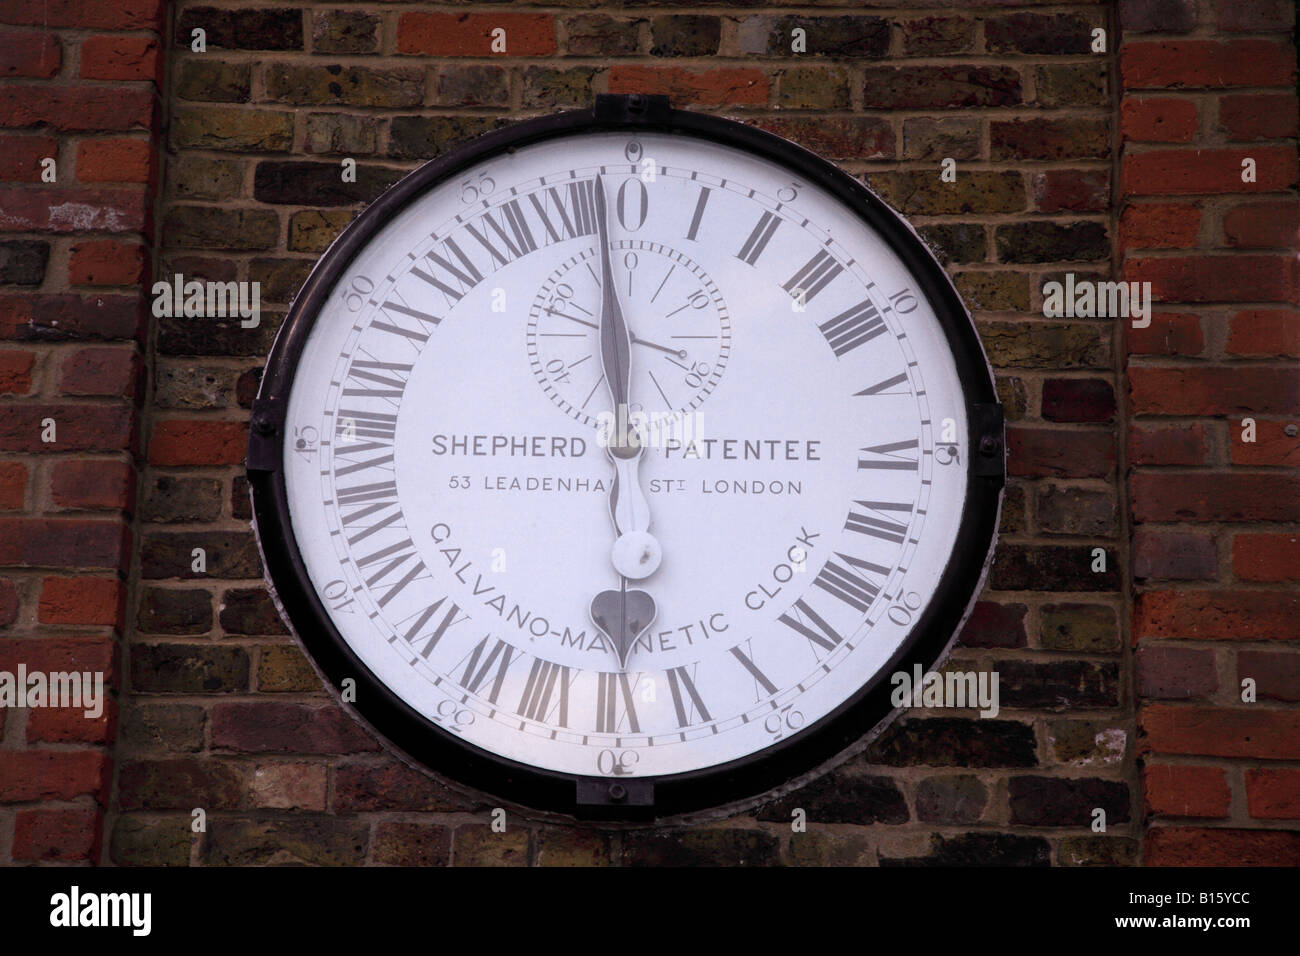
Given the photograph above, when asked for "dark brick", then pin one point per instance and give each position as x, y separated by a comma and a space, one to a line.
393, 786
1175, 673
564, 846
937, 138
1077, 511
1052, 242
188, 669
1178, 555
23, 261
424, 137
685, 35
956, 242
1096, 850
175, 611
249, 611
272, 727
153, 842
1038, 33
840, 848
1063, 802
229, 554
412, 844
182, 500
1086, 742
341, 134
958, 799
174, 728
470, 85
1013, 393
825, 36
233, 128
594, 34
344, 31
214, 81
995, 625
1163, 16
241, 29
314, 85
1072, 84
282, 668
1058, 685
280, 279
981, 849
954, 742
1090, 628
546, 88
198, 177
1049, 139
1078, 400
479, 845
319, 184
994, 291
841, 798
246, 388
939, 87
920, 192
809, 88
240, 504
209, 227
299, 840
1051, 568
180, 784
700, 847
213, 337
933, 36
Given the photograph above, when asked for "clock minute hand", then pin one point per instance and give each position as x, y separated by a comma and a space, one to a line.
615, 339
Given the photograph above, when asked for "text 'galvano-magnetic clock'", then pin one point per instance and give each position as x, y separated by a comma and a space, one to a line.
620, 457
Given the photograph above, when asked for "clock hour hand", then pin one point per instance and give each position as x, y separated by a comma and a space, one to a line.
623, 616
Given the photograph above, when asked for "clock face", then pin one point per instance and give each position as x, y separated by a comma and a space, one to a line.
445, 489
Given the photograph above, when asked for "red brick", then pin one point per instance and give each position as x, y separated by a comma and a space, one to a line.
470, 34
57, 835
1196, 846
1167, 445
62, 543
1276, 676
97, 14
82, 600
20, 157
1159, 226
27, 775
13, 491
1265, 332
93, 484
1177, 790
24, 53
1206, 63
1214, 496
81, 653
1210, 278
1267, 225
1248, 731
1170, 672
1078, 400
113, 372
1272, 445
1161, 119
713, 87
1253, 116
1256, 16
101, 109
1170, 333
1071, 190
52, 318
79, 428
1059, 453
288, 728
16, 371
194, 442
1169, 172
72, 210
9, 602
1178, 555
70, 725
121, 58
108, 262
115, 161
1273, 793
1240, 615
1266, 557
1214, 390
854, 137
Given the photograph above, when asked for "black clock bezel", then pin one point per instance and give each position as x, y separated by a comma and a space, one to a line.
624, 798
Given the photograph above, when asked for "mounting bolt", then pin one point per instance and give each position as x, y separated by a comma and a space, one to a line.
1291, 431
989, 445
637, 103
617, 792
263, 425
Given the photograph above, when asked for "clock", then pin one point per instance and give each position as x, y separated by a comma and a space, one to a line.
612, 463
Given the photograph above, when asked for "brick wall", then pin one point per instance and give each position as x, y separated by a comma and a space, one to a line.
220, 711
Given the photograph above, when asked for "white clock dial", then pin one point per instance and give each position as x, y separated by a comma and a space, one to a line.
451, 499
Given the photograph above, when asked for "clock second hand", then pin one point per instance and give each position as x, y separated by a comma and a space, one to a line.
622, 615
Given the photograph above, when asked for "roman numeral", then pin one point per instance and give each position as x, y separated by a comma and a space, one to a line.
760, 679
814, 276
395, 327
546, 679
369, 500
851, 588
889, 459
381, 373
823, 635
466, 275
423, 617
885, 387
517, 242
698, 215
577, 215
852, 327
686, 698
878, 527
759, 238
380, 427
614, 694
479, 666
392, 558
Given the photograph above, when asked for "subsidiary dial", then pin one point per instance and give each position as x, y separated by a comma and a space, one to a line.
681, 332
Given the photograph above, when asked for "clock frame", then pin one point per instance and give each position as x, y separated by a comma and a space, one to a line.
762, 774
